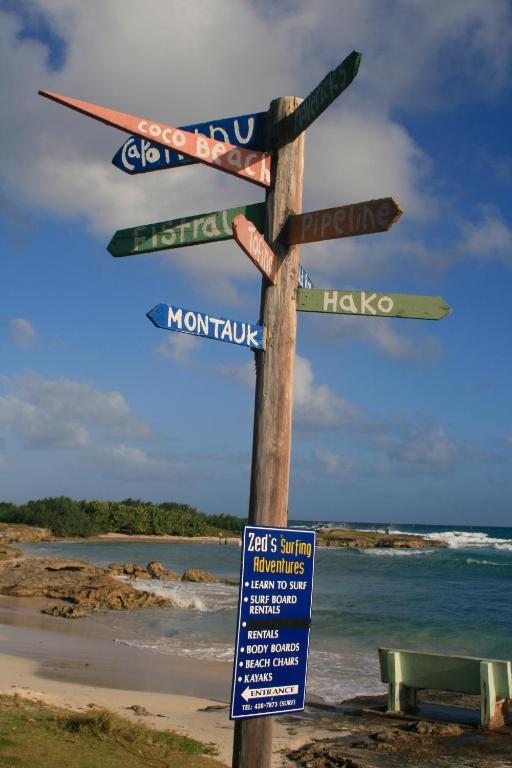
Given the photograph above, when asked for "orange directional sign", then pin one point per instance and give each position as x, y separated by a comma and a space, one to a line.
250, 164
253, 244
345, 221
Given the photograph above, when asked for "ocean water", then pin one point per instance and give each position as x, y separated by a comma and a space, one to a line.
456, 600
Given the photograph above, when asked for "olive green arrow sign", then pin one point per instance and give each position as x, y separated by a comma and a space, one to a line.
190, 230
372, 304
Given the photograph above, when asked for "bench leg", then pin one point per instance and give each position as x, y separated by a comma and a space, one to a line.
487, 696
401, 697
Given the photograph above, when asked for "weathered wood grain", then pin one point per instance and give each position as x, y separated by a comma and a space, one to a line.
253, 244
270, 470
249, 164
364, 218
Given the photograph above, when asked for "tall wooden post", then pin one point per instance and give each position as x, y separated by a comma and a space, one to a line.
270, 471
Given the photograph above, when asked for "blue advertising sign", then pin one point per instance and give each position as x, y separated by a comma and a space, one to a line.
304, 279
274, 617
201, 324
137, 155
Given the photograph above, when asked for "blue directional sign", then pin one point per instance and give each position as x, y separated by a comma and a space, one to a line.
304, 279
202, 324
274, 617
137, 155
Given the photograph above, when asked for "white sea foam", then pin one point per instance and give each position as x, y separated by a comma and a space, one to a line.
473, 561
399, 552
184, 594
470, 539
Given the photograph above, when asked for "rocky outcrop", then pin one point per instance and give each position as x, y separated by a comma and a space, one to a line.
199, 576
23, 533
154, 570
9, 553
336, 537
81, 585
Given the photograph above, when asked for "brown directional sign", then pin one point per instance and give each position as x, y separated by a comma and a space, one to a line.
253, 244
252, 165
318, 100
345, 221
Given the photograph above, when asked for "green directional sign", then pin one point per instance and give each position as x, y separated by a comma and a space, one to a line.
372, 304
318, 100
190, 230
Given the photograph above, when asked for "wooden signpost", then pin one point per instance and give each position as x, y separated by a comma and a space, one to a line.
139, 155
344, 221
202, 324
253, 244
372, 304
288, 128
189, 230
251, 165
276, 254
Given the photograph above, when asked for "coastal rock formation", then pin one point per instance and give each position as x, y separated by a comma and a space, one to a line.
154, 570
80, 584
9, 553
23, 533
199, 576
340, 537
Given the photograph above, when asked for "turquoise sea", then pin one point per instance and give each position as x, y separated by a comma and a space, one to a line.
457, 600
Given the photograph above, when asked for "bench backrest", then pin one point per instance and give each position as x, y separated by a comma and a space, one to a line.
444, 673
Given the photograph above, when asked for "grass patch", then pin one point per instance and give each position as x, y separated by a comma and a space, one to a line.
34, 735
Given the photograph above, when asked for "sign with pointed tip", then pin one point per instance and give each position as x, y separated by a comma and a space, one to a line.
196, 323
364, 218
372, 304
139, 155
189, 230
332, 85
252, 242
249, 164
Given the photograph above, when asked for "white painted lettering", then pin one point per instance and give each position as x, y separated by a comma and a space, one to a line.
202, 147
223, 133
226, 331
175, 317
210, 228
216, 322
365, 303
142, 126
385, 304
347, 303
251, 337
250, 131
330, 301
190, 321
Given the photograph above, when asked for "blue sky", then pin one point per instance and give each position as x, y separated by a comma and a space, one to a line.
394, 420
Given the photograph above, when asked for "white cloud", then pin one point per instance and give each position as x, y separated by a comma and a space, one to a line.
178, 347
489, 239
316, 406
61, 413
22, 332
361, 150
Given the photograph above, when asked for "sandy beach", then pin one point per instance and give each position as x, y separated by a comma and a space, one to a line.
77, 664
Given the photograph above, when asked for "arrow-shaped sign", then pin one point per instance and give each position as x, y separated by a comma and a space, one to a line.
139, 155
345, 221
252, 242
176, 233
372, 304
252, 165
202, 324
318, 100
278, 690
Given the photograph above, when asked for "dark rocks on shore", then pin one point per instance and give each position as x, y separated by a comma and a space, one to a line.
83, 587
336, 537
155, 570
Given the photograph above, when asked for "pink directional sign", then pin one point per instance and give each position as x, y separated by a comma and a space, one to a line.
249, 164
253, 244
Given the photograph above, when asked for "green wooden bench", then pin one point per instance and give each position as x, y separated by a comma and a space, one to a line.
406, 672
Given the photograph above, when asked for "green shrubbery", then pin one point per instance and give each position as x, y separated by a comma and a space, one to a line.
67, 517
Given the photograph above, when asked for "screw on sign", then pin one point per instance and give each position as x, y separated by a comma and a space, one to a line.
251, 165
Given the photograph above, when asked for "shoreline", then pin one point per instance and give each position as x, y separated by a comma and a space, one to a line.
78, 665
